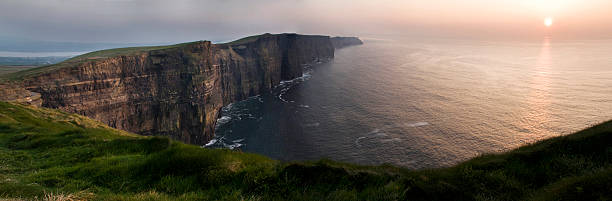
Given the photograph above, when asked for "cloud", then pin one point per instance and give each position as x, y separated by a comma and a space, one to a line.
150, 21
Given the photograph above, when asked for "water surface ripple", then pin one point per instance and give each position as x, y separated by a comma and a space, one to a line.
421, 104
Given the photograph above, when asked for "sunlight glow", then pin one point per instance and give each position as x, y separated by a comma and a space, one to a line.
550, 6
548, 21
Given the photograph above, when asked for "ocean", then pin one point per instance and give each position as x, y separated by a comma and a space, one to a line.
426, 103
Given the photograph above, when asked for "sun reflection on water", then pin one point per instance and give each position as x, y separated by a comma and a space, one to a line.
539, 100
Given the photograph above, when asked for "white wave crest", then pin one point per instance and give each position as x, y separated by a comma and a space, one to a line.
417, 124
210, 143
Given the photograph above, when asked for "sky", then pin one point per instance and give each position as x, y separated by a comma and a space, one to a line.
172, 21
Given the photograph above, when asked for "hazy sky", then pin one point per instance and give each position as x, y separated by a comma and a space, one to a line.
155, 21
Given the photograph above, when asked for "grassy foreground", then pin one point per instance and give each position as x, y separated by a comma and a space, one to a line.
50, 155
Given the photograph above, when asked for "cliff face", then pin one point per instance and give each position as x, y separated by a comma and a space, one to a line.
176, 91
340, 42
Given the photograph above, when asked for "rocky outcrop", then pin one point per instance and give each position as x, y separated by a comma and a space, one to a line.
340, 42
13, 91
176, 91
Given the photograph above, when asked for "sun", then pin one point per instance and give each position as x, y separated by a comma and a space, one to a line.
548, 21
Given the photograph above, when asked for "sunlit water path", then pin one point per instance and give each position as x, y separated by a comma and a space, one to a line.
427, 103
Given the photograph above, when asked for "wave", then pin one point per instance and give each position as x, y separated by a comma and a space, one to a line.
417, 124
383, 137
358, 139
224, 119
221, 142
286, 85
312, 125
210, 143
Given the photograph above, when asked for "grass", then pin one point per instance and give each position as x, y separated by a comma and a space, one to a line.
48, 153
244, 40
11, 69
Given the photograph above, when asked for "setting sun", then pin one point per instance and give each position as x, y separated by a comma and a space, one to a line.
548, 21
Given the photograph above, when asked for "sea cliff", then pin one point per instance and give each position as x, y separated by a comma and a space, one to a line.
174, 91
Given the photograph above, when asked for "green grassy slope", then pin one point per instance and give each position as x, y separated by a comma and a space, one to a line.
11, 69
44, 152
244, 40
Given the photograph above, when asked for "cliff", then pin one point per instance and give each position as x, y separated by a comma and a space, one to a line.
340, 42
174, 91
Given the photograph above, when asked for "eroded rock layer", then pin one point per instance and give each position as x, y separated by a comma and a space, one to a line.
177, 91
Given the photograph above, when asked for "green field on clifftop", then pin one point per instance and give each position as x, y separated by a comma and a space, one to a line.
46, 153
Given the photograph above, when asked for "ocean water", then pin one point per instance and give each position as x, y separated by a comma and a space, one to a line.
426, 103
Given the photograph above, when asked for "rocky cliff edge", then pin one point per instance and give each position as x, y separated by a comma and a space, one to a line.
175, 90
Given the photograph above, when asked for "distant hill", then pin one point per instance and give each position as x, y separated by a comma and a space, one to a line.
46, 153
30, 61
53, 46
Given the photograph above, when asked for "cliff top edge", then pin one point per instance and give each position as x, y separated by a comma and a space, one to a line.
127, 51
